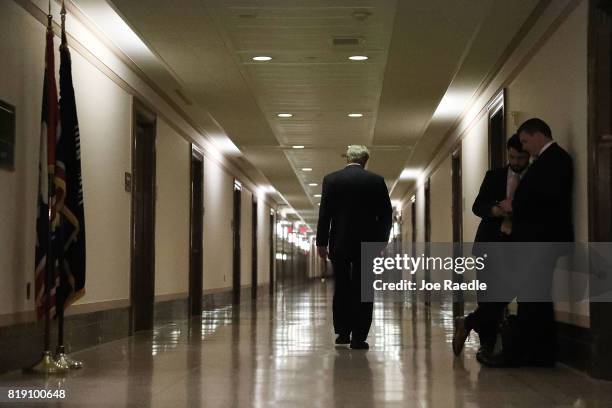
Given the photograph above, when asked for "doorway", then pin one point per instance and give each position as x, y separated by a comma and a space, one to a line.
600, 170
142, 288
271, 254
254, 247
427, 203
457, 220
497, 130
196, 214
413, 241
236, 242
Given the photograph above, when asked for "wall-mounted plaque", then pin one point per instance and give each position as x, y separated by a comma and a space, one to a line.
7, 136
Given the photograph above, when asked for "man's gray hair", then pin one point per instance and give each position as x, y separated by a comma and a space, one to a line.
357, 153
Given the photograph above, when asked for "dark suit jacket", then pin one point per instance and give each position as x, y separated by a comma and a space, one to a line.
542, 204
355, 208
492, 191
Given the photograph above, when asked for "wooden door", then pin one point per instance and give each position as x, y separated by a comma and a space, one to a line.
196, 233
143, 219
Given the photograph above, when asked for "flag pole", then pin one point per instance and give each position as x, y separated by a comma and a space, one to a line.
62, 359
47, 364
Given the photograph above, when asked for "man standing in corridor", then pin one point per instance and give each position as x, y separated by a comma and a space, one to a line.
355, 208
542, 218
495, 227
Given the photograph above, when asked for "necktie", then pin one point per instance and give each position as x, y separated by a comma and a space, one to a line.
506, 226
512, 185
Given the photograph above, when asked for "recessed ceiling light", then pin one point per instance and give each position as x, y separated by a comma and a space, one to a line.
355, 115
262, 58
285, 115
358, 57
312, 184
306, 169
319, 204
298, 146
317, 195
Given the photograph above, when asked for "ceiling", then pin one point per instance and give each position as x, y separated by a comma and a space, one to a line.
426, 61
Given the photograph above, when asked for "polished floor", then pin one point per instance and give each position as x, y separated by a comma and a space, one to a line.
279, 352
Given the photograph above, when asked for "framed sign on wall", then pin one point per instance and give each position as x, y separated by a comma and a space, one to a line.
7, 136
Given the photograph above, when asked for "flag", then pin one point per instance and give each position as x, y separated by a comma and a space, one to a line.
69, 191
45, 230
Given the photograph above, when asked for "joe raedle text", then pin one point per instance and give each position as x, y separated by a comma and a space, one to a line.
447, 285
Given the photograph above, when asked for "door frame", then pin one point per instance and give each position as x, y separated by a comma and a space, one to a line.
497, 106
254, 258
427, 240
196, 272
457, 224
236, 237
272, 255
599, 103
140, 114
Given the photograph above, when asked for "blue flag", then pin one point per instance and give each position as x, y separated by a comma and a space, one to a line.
69, 191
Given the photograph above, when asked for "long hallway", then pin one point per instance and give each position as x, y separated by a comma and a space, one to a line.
279, 351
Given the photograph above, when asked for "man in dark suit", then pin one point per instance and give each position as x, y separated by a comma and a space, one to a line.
495, 226
542, 214
355, 208
542, 205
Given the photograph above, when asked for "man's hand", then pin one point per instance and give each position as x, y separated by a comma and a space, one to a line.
322, 251
506, 205
496, 211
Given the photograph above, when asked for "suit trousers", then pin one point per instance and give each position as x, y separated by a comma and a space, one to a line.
535, 315
485, 321
498, 274
351, 315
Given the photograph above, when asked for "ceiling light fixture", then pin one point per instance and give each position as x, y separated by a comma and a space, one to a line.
306, 169
358, 57
312, 184
410, 174
285, 115
261, 58
317, 195
355, 115
298, 146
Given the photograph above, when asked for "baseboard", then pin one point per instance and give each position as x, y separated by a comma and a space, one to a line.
22, 343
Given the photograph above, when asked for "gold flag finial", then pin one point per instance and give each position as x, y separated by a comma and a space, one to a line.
49, 19
63, 14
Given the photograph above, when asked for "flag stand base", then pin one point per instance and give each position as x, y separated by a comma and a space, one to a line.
45, 366
65, 362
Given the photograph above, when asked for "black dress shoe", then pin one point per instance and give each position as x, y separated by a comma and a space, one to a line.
485, 348
343, 339
359, 345
492, 360
499, 360
461, 334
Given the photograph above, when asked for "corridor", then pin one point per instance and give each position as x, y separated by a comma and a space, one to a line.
161, 160
279, 352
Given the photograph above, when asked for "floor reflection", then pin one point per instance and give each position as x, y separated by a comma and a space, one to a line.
278, 351
352, 379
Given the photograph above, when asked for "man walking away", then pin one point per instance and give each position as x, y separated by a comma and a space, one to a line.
355, 208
